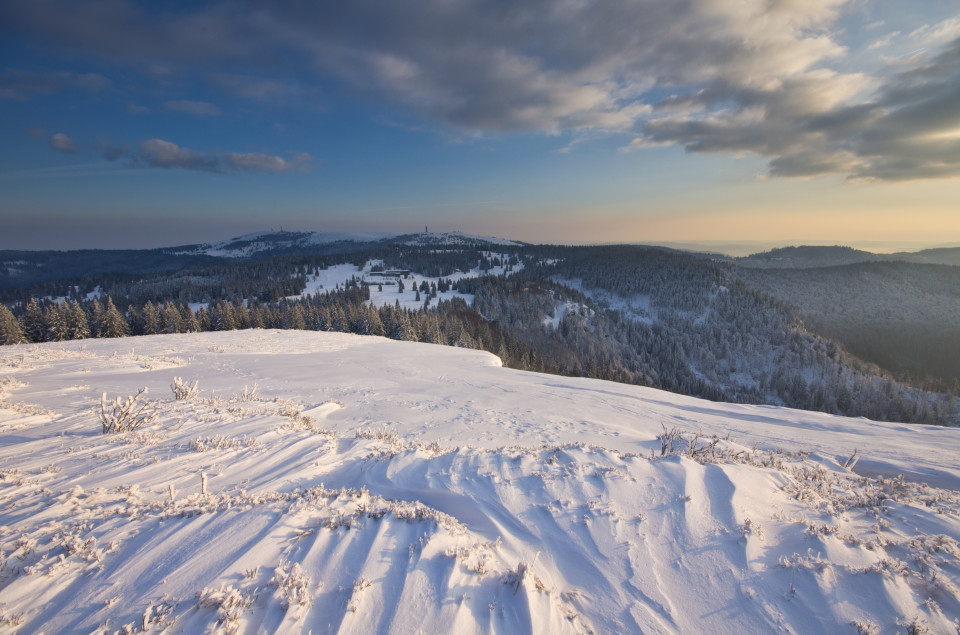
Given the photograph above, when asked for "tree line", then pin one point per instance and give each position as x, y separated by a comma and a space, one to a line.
449, 322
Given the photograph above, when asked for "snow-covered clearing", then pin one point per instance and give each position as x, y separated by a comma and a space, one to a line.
561, 310
319, 482
636, 307
250, 244
385, 291
456, 238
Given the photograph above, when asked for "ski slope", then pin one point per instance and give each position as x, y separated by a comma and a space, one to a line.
326, 482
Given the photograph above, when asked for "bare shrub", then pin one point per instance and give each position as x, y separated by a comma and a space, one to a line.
695, 446
182, 390
230, 604
248, 394
293, 584
124, 415
669, 440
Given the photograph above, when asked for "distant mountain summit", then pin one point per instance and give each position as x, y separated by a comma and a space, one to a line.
453, 238
257, 243
807, 257
810, 257
273, 242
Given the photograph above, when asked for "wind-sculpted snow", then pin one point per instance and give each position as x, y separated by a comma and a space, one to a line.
317, 482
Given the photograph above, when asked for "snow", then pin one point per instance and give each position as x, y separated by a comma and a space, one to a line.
326, 482
456, 238
323, 238
328, 279
561, 310
637, 307
267, 240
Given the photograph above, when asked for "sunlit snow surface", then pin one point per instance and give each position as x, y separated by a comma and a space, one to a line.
363, 485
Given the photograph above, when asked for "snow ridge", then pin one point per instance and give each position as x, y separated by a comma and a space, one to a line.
297, 481
253, 243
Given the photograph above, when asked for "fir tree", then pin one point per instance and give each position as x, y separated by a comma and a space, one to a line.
149, 319
402, 329
293, 318
170, 320
33, 323
96, 314
223, 317
79, 327
112, 323
55, 322
189, 320
256, 316
376, 324
10, 330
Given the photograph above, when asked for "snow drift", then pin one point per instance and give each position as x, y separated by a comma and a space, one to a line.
322, 482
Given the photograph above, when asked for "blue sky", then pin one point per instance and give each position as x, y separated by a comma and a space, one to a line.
153, 124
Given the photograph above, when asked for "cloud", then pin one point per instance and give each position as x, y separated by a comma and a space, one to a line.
138, 109
905, 127
254, 162
941, 32
912, 130
772, 78
62, 143
884, 41
160, 153
112, 152
196, 108
20, 84
256, 88
541, 66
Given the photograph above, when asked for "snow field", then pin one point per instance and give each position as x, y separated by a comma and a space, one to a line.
329, 482
328, 279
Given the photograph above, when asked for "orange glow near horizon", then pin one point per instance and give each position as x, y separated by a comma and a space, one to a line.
775, 210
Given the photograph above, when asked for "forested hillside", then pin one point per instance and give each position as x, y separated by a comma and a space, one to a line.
648, 316
902, 316
708, 334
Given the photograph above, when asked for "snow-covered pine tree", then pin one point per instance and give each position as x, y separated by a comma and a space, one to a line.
376, 324
150, 318
402, 329
293, 318
170, 321
190, 323
77, 324
10, 330
33, 323
112, 323
55, 321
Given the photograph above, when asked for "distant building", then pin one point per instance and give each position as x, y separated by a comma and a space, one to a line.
390, 273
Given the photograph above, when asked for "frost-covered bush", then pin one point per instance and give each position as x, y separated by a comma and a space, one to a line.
230, 604
123, 415
248, 394
183, 390
293, 584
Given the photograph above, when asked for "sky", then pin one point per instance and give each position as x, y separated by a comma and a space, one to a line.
129, 124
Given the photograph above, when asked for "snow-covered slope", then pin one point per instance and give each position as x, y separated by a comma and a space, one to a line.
250, 244
453, 238
384, 291
322, 482
266, 241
